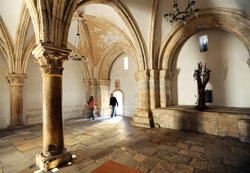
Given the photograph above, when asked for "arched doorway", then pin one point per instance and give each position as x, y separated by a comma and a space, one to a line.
214, 18
119, 96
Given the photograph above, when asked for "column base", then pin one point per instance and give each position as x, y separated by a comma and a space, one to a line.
16, 126
143, 118
105, 112
46, 163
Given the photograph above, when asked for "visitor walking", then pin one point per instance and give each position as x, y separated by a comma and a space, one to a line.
91, 104
113, 102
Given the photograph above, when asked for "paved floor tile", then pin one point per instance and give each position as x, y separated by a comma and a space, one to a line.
147, 150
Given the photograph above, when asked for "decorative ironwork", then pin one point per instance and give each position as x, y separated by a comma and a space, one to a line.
181, 15
74, 55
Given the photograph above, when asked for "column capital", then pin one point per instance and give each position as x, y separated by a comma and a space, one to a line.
166, 74
141, 75
103, 82
153, 74
86, 82
147, 75
50, 58
16, 79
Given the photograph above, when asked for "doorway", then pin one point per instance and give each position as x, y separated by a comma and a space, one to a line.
119, 97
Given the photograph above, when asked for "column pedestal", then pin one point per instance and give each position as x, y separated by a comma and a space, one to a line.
49, 162
143, 118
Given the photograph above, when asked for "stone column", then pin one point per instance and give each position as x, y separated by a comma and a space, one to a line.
87, 92
51, 62
165, 88
16, 99
143, 115
154, 93
104, 96
169, 76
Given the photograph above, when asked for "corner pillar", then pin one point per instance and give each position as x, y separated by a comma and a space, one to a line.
165, 83
146, 87
51, 62
104, 95
16, 99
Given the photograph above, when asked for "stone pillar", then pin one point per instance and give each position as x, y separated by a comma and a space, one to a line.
143, 115
154, 93
104, 96
51, 62
16, 99
165, 78
169, 76
87, 92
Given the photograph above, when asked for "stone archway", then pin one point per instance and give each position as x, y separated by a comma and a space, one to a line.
232, 21
6, 45
104, 69
109, 58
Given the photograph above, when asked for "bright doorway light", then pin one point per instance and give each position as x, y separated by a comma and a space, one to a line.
119, 97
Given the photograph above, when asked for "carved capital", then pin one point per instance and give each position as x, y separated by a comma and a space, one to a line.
93, 82
169, 74
86, 82
141, 75
16, 79
104, 82
153, 74
146, 75
166, 74
50, 58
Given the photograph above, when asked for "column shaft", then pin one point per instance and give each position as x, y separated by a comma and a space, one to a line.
16, 99
52, 116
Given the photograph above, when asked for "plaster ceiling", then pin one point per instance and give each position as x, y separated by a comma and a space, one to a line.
101, 28
106, 12
98, 36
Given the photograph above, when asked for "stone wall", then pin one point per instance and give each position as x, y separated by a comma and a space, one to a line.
215, 123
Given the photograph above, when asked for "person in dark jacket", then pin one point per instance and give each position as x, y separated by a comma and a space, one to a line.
113, 102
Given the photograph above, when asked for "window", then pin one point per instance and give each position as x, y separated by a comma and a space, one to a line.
125, 63
203, 41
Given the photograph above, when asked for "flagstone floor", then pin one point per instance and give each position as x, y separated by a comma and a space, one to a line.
148, 150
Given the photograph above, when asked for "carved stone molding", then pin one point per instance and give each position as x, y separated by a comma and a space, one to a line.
169, 74
141, 75
50, 58
165, 74
153, 74
147, 75
104, 82
16, 79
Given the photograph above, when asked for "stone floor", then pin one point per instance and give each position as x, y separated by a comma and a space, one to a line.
148, 150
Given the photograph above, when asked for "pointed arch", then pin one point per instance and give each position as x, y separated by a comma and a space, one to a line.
109, 58
51, 20
21, 34
229, 20
6, 45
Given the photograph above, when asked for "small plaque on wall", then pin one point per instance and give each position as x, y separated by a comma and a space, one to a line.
117, 83
203, 42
